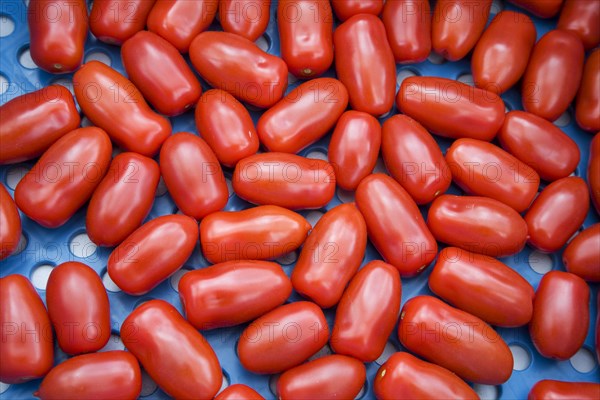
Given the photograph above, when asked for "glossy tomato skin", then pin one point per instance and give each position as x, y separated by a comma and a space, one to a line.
233, 63
463, 279
405, 376
409, 40
331, 255
587, 107
354, 148
180, 21
557, 213
409, 246
450, 108
283, 338
115, 21
152, 253
345, 9
414, 159
560, 315
367, 312
232, 292
264, 232
225, 124
302, 117
25, 129
123, 199
593, 172
333, 376
170, 85
193, 175
239, 391
175, 355
582, 254
10, 224
26, 354
500, 56
540, 8
581, 18
106, 375
78, 308
365, 63
247, 18
65, 177
553, 74
548, 389
285, 180
457, 25
483, 169
484, 356
478, 224
113, 103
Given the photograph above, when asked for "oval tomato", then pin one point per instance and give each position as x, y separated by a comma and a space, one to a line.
115, 21
65, 177
540, 8
345, 9
593, 172
25, 129
247, 18
410, 40
450, 108
408, 246
193, 175
587, 106
10, 224
175, 355
264, 232
232, 293
414, 159
283, 338
107, 375
553, 74
152, 253
438, 332
558, 390
27, 346
239, 391
365, 63
560, 315
581, 18
303, 116
582, 254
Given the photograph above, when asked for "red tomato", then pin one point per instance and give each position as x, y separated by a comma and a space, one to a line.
408, 27
483, 169
547, 389
65, 177
25, 129
540, 8
450, 108
152, 253
175, 355
404, 376
367, 312
304, 116
455, 340
179, 22
239, 391
235, 64
78, 308
108, 375
457, 26
170, 85
500, 56
354, 148
478, 224
328, 377
193, 175
582, 254
10, 224
122, 200
557, 213
365, 63
283, 338
553, 74
247, 18
463, 279
57, 32
264, 232
540, 144
232, 293
27, 347
408, 246
331, 255
225, 124
593, 172
560, 315
581, 17
114, 104
587, 107
414, 159
345, 9
115, 21
285, 180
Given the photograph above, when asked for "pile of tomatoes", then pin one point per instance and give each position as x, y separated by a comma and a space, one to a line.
515, 169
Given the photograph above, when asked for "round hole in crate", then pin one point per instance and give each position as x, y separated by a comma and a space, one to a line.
7, 25
487, 392
176, 277
4, 387
66, 83
25, 59
380, 167
466, 79
22, 244
14, 176
436, 58
82, 246
563, 120
317, 155
403, 74
497, 6
3, 84
540, 262
98, 56
114, 343
148, 385
345, 196
109, 284
229, 187
263, 43
273, 379
40, 275
161, 189
388, 350
325, 351
583, 361
288, 258
522, 358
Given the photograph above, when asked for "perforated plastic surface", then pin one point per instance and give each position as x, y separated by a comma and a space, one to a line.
43, 248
